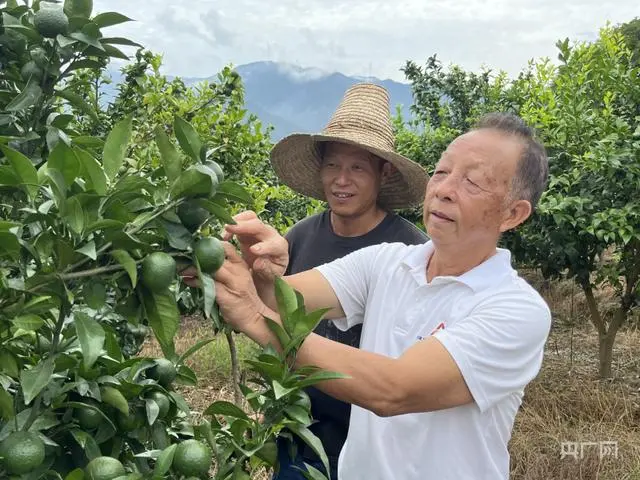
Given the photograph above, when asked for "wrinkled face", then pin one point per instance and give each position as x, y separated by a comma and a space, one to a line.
351, 178
467, 200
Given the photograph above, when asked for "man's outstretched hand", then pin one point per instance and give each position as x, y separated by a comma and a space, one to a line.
263, 248
236, 294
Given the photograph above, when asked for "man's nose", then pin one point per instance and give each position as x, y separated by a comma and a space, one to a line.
343, 177
446, 188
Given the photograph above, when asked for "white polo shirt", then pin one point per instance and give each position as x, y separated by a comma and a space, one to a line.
490, 320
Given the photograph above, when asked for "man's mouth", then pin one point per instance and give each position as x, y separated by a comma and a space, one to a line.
342, 195
441, 215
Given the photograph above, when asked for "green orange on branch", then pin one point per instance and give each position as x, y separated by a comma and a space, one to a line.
78, 8
209, 253
192, 458
23, 452
51, 21
164, 372
104, 468
88, 418
192, 215
158, 271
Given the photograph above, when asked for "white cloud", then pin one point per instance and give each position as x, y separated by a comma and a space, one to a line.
360, 37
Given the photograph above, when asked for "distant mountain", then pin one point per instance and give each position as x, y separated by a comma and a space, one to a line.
296, 99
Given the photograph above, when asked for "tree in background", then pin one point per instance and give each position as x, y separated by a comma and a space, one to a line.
586, 110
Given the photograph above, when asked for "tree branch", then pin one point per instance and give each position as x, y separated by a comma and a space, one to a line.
596, 317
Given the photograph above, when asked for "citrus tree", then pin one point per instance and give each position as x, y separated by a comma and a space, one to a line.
90, 242
588, 224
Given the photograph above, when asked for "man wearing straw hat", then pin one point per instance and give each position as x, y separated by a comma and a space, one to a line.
451, 334
353, 167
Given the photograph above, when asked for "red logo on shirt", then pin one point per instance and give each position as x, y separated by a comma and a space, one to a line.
439, 327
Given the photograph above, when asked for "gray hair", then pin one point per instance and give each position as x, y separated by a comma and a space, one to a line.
532, 172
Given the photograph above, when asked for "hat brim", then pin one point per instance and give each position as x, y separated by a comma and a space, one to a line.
296, 160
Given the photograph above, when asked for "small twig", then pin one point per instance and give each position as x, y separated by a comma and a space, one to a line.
235, 369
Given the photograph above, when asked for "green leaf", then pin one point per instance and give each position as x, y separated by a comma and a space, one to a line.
78, 102
9, 364
92, 172
23, 167
152, 409
193, 349
91, 336
109, 19
112, 396
208, 290
216, 210
164, 318
276, 328
105, 224
234, 192
187, 138
87, 443
319, 377
63, 159
25, 99
77, 474
279, 390
33, 381
114, 52
88, 141
89, 250
305, 324
115, 147
28, 322
9, 245
56, 180
164, 461
298, 414
228, 409
286, 300
186, 376
28, 32
194, 181
169, 155
314, 442
129, 264
111, 345
86, 39
74, 215
6, 405
270, 370
120, 41
312, 473
85, 63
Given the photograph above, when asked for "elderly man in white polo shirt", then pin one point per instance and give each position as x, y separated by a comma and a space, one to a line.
451, 334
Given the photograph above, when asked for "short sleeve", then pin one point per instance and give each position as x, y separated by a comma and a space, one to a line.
499, 347
350, 277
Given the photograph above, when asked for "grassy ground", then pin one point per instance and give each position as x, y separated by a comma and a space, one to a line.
566, 404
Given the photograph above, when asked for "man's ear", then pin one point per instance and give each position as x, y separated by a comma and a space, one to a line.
517, 213
388, 169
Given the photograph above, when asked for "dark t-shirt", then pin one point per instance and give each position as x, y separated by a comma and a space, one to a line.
312, 242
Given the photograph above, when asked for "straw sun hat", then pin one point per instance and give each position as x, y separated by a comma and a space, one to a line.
362, 119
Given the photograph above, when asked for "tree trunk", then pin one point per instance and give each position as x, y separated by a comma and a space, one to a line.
606, 354
235, 368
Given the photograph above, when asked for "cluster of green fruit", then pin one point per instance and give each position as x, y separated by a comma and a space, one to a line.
22, 452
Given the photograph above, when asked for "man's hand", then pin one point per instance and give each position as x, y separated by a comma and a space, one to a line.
236, 294
262, 247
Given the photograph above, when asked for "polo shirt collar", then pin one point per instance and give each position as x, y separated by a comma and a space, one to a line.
477, 279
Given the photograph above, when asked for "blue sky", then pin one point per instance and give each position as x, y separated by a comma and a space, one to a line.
360, 37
